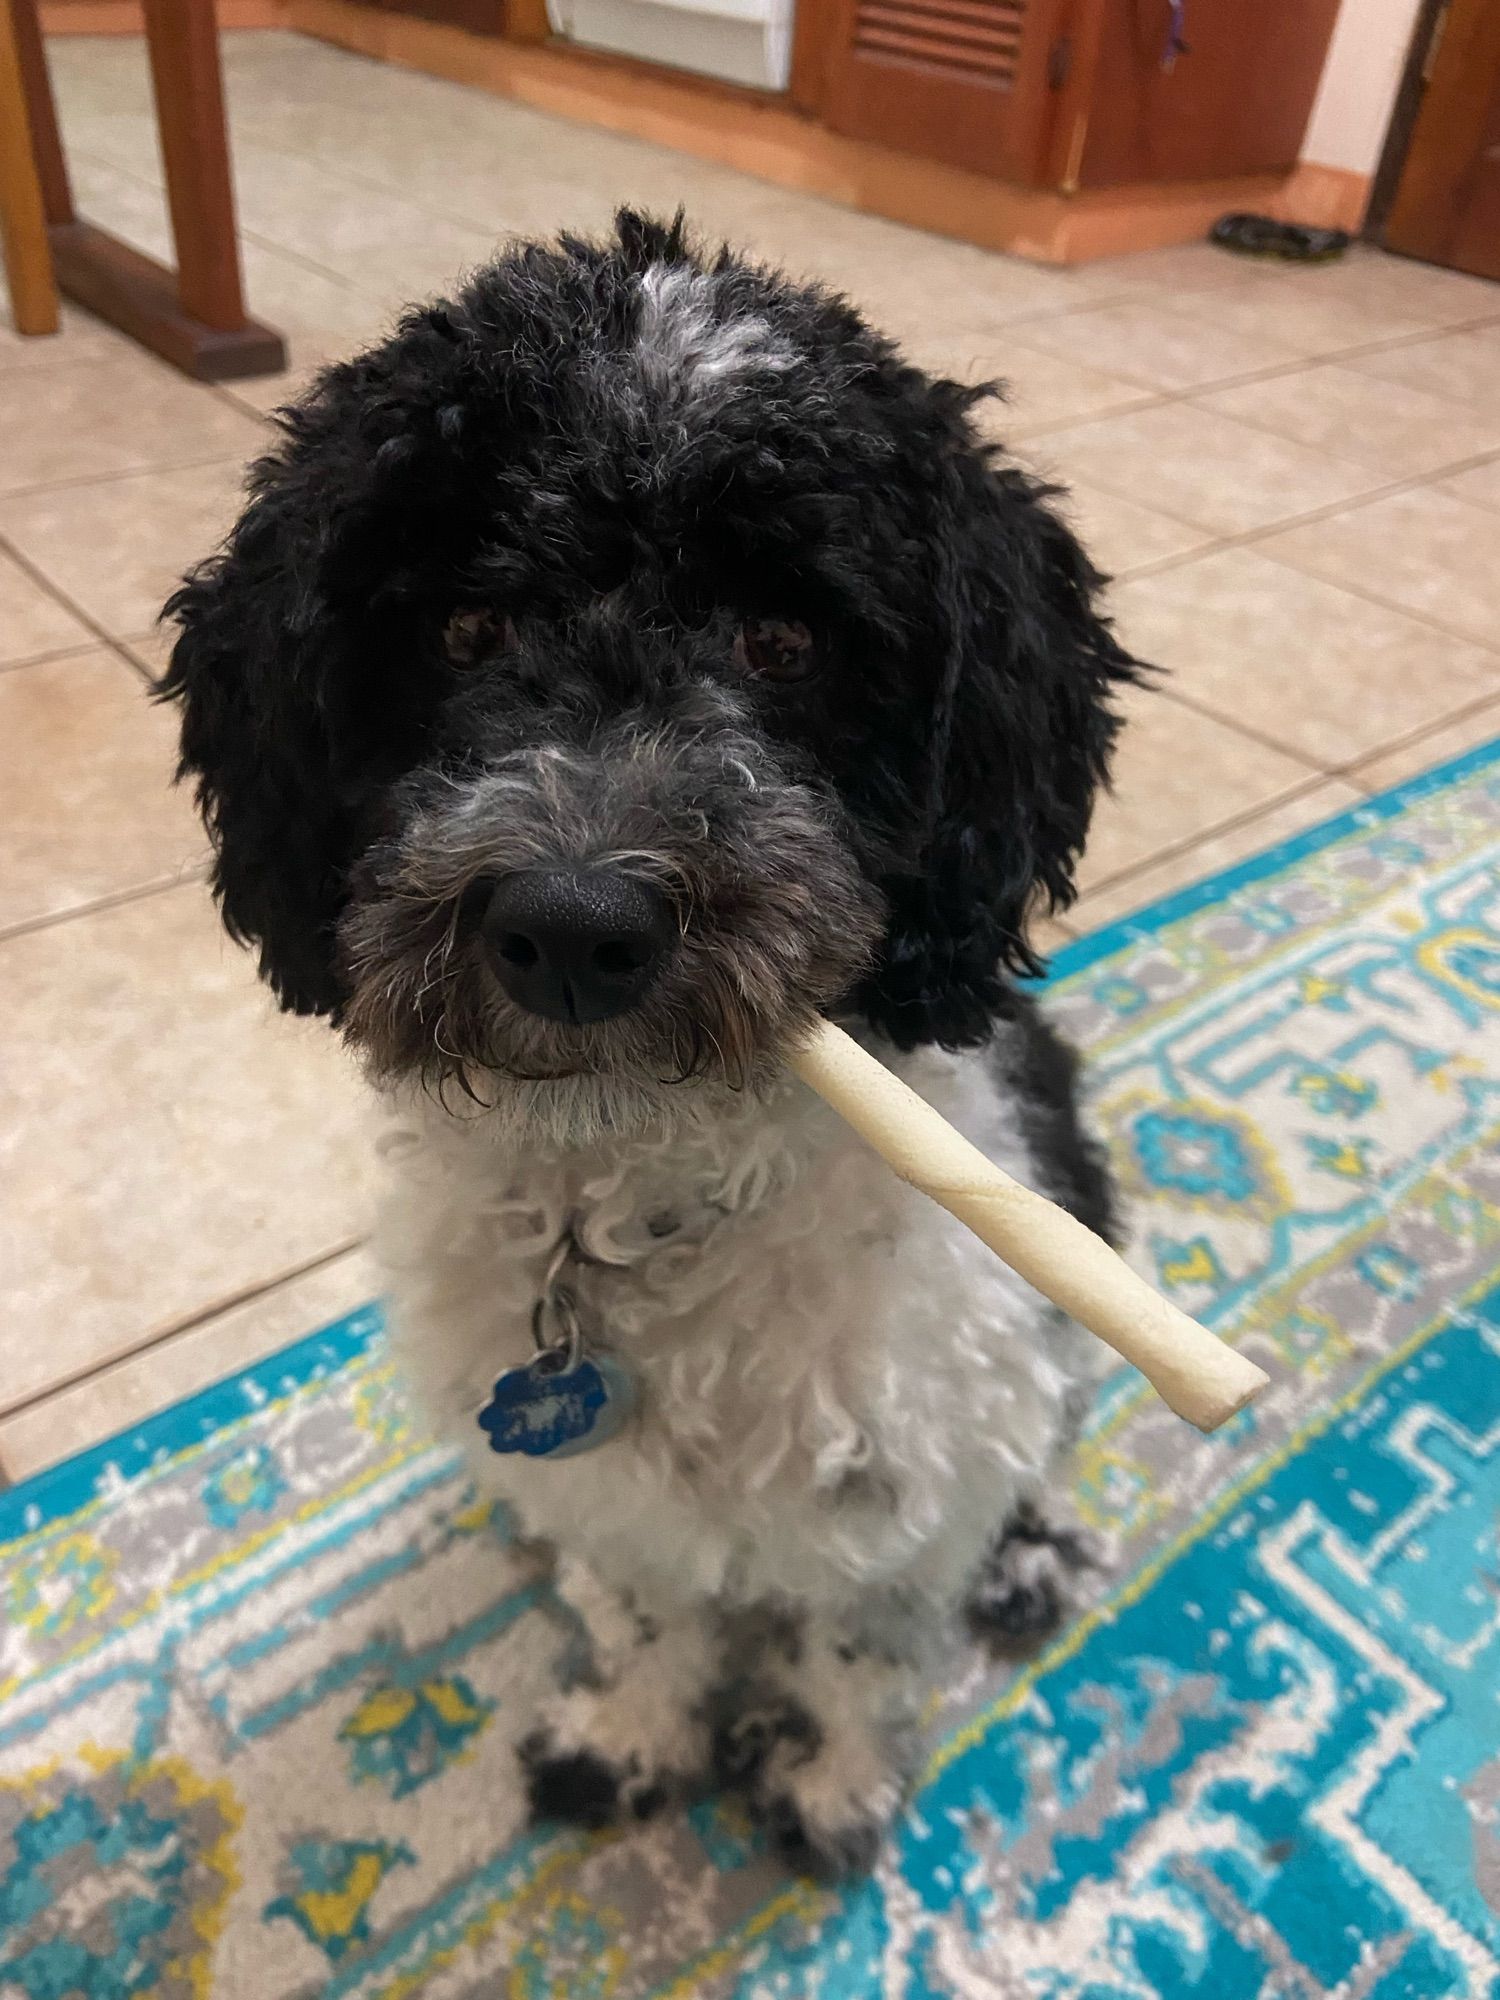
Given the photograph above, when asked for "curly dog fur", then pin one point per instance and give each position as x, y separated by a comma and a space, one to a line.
657, 572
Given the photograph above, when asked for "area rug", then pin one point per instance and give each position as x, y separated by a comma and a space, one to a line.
262, 1659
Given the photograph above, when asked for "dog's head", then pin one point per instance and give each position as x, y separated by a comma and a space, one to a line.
625, 662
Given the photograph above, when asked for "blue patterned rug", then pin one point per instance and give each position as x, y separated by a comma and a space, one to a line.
261, 1660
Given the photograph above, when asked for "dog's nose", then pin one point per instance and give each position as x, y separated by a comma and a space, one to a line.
577, 945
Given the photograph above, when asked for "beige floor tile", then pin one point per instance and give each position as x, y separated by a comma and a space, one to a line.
1328, 675
1480, 485
1301, 312
81, 338
152, 651
1213, 854
1178, 775
1463, 367
1201, 467
1043, 390
124, 414
126, 1394
1394, 767
1180, 268
88, 808
1152, 342
380, 240
1121, 535
119, 547
170, 1141
1397, 431
124, 203
31, 619
1428, 292
1420, 550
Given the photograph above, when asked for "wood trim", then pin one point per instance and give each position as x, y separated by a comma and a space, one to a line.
23, 217
815, 31
1426, 216
138, 295
769, 138
527, 21
127, 17
182, 44
1408, 103
46, 139
1081, 32
1327, 197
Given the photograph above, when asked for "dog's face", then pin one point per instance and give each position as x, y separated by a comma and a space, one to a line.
625, 663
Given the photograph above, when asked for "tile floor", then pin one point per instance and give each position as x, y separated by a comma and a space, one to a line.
1293, 474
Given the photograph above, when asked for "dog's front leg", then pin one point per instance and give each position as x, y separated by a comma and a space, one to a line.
633, 1732
829, 1742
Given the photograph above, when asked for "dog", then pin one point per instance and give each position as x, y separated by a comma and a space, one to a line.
629, 661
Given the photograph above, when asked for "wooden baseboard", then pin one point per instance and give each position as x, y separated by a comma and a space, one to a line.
1327, 197
770, 138
124, 17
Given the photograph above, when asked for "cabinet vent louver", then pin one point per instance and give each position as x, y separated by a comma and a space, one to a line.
977, 39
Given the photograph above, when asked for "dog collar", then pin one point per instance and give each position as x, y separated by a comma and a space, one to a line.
565, 1399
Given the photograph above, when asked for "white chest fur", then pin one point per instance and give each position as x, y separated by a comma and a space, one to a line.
838, 1385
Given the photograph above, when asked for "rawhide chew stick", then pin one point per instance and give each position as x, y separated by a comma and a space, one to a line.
1194, 1373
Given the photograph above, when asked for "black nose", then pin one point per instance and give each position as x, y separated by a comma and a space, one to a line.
577, 945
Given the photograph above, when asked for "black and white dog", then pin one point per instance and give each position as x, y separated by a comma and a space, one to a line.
629, 659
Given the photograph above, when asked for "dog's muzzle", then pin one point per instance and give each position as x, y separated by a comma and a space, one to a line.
577, 945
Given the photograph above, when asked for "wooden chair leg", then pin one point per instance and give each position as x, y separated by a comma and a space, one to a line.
183, 40
46, 139
23, 219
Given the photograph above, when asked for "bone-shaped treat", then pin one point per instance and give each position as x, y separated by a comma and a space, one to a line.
1193, 1371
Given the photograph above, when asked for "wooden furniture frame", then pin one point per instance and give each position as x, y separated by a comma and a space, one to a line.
23, 220
193, 316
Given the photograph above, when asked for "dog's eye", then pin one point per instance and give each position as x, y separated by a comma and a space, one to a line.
477, 635
778, 649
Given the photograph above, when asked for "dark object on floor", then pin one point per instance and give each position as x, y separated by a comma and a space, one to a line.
1260, 236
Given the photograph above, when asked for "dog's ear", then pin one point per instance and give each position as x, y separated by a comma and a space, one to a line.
306, 660
1021, 735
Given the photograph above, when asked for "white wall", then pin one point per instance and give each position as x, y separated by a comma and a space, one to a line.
1359, 82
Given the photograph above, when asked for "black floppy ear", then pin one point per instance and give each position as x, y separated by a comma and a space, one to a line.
1021, 740
304, 665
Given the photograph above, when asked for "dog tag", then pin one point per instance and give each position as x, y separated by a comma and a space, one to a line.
549, 1409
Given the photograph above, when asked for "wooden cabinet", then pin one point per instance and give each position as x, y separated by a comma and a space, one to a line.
966, 81
1076, 93
1447, 201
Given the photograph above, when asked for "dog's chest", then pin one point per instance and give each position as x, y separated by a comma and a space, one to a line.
818, 1354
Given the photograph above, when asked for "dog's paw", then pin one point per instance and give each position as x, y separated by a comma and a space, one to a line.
602, 1756
583, 1788
1028, 1585
826, 1805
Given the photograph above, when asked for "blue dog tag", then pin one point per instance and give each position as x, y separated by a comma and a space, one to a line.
551, 1410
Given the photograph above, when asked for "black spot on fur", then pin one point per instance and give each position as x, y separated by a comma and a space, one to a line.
1015, 1612
575, 1786
1041, 1077
826, 1855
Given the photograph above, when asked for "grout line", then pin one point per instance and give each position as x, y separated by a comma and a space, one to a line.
190, 872
187, 1324
1199, 838
123, 472
1251, 537
85, 617
1413, 739
1456, 632
40, 577
80, 649
287, 250
1242, 728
